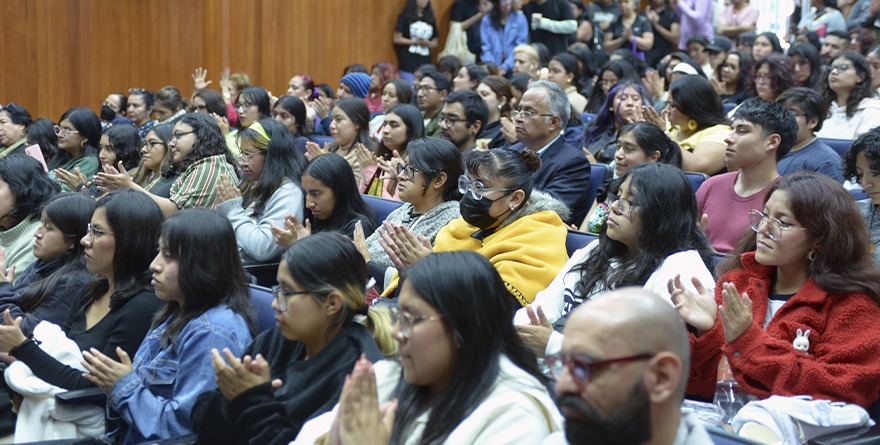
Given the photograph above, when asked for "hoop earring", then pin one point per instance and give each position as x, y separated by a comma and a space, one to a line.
692, 125
811, 255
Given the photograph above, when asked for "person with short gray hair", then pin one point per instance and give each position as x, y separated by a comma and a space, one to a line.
565, 172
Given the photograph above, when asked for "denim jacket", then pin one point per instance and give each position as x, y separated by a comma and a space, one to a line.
498, 43
156, 399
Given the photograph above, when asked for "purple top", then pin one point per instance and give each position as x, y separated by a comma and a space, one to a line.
696, 20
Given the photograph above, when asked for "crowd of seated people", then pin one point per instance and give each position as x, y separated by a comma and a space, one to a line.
135, 229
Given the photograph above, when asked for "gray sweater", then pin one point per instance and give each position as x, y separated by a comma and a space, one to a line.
254, 233
872, 219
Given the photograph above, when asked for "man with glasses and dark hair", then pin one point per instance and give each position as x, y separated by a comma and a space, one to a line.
540, 121
462, 120
431, 91
620, 383
763, 133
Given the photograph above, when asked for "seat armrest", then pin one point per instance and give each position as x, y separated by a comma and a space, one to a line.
93, 396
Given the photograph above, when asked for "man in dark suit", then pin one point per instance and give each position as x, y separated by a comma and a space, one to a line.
565, 171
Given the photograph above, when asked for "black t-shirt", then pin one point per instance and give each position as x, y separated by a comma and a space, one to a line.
413, 56
639, 27
463, 10
556, 10
662, 47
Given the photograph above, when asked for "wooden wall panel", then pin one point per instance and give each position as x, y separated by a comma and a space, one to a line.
55, 54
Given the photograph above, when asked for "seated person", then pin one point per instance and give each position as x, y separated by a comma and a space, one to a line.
633, 251
198, 274
699, 125
50, 286
862, 165
653, 362
454, 384
300, 365
852, 106
428, 186
271, 190
808, 152
807, 266
763, 132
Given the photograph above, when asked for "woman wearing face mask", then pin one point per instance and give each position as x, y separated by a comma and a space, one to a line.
24, 190
271, 190
199, 156
79, 134
14, 120
140, 110
806, 265
430, 198
453, 384
50, 286
520, 230
323, 327
634, 250
403, 123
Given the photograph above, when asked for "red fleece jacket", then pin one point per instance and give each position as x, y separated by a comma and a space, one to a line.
843, 363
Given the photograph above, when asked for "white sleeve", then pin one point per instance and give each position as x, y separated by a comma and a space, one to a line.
688, 264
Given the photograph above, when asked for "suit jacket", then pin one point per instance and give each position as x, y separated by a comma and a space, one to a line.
565, 175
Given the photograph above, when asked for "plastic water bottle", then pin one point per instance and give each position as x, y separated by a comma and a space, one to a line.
730, 397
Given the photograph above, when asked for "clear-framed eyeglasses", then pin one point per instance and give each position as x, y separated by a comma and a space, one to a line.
775, 227
475, 188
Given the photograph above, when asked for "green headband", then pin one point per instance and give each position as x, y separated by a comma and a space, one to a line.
258, 127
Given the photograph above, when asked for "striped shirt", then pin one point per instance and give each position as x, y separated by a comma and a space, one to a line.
197, 186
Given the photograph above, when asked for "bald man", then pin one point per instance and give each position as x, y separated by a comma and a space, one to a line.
632, 392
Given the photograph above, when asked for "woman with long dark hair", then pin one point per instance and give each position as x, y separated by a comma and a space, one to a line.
324, 326
79, 133
333, 202
565, 72
624, 103
50, 286
732, 76
700, 126
155, 157
114, 310
853, 108
497, 92
805, 63
634, 249
199, 158
271, 189
403, 124
291, 112
795, 310
770, 77
349, 126
453, 384
199, 276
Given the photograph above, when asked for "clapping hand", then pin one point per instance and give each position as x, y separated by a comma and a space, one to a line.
403, 247
103, 371
736, 312
236, 376
313, 150
361, 421
696, 309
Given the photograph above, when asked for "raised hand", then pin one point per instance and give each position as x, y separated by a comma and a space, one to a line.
537, 334
199, 77
360, 419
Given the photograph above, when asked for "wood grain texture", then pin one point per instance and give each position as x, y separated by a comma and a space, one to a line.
57, 54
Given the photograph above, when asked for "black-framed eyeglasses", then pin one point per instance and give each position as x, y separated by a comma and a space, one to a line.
476, 188
178, 135
581, 367
774, 226
407, 171
243, 105
526, 114
840, 67
407, 321
449, 121
427, 88
64, 132
150, 145
281, 296
624, 206
95, 232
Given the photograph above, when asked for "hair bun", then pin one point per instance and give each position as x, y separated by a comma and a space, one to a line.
530, 159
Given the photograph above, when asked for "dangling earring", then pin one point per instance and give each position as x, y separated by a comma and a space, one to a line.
692, 125
811, 255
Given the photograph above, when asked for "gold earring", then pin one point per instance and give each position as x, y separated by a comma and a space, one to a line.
692, 125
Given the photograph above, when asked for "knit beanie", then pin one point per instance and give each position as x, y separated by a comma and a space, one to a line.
358, 83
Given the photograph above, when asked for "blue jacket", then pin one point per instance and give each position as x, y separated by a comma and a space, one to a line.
498, 43
156, 399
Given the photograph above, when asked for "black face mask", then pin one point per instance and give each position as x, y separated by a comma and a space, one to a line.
107, 113
476, 212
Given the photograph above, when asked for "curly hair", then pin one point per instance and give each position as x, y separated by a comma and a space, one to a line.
862, 90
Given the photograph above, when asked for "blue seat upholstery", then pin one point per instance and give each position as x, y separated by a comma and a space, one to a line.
728, 108
381, 206
320, 140
838, 145
261, 297
696, 179
576, 240
587, 117
597, 178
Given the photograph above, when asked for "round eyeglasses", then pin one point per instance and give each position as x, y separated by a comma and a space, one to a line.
476, 188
